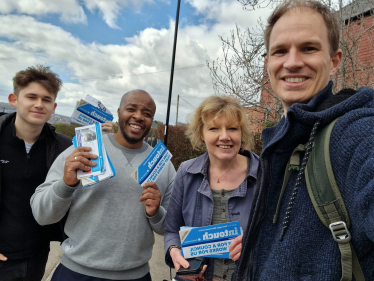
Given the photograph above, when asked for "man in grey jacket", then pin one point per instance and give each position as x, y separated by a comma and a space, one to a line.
110, 224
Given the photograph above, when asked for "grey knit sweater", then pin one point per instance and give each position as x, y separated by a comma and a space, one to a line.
110, 235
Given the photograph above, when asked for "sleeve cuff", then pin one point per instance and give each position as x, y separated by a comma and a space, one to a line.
161, 213
62, 190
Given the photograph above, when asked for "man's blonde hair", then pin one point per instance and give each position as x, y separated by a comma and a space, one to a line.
220, 107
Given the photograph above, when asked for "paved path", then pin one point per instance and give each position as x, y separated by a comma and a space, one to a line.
159, 271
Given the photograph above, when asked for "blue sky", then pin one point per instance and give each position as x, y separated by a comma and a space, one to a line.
106, 48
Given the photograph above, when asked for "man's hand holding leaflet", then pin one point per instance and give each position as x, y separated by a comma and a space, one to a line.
79, 159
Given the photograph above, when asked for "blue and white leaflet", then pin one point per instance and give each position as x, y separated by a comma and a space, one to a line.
90, 136
90, 111
152, 166
110, 170
211, 241
95, 113
97, 103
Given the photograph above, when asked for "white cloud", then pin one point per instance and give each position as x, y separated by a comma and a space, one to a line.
69, 10
108, 71
110, 9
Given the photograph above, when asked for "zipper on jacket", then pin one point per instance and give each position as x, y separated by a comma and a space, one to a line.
260, 215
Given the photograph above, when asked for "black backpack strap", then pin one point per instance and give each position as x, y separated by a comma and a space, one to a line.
328, 202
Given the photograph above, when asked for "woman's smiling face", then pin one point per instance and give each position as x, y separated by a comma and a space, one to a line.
222, 138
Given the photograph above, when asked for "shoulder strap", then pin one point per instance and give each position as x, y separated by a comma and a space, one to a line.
328, 202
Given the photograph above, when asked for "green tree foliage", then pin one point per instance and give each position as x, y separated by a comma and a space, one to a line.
66, 129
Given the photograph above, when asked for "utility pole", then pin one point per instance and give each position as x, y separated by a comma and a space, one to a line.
176, 120
172, 73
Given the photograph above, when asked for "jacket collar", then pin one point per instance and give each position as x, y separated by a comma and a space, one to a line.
200, 165
295, 129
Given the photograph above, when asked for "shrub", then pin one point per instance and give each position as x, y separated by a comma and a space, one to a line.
66, 129
178, 144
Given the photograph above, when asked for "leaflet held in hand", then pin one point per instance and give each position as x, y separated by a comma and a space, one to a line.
90, 136
211, 241
152, 166
110, 170
90, 111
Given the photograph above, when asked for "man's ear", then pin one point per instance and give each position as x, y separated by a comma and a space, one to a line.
336, 59
12, 99
54, 108
118, 112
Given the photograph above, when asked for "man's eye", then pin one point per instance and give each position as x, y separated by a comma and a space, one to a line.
147, 115
280, 52
47, 101
309, 49
130, 109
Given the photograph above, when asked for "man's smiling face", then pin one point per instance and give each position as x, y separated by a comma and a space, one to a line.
299, 62
135, 117
35, 105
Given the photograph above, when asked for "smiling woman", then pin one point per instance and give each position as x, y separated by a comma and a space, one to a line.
216, 187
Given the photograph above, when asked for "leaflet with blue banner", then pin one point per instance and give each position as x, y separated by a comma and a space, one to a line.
94, 112
110, 170
211, 241
97, 103
81, 118
90, 111
90, 136
152, 166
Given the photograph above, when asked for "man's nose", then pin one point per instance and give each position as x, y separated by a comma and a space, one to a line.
38, 103
293, 60
137, 114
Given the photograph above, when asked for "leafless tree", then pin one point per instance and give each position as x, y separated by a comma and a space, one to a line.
241, 71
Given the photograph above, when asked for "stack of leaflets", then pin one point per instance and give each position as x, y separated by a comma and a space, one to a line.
152, 166
90, 136
90, 111
211, 241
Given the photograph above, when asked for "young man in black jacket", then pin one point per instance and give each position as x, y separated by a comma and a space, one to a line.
28, 147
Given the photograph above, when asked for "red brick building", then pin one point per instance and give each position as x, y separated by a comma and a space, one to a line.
357, 45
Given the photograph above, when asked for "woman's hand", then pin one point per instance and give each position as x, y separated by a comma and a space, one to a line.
179, 261
236, 247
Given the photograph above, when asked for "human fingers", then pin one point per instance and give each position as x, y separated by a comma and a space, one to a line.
3, 258
236, 248
152, 185
78, 159
107, 127
83, 157
150, 196
151, 192
178, 260
235, 242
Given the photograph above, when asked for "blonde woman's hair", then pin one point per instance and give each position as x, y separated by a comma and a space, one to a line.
217, 106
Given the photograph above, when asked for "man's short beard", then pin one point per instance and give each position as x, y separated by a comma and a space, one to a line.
129, 139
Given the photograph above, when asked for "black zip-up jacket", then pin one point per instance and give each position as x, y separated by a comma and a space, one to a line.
53, 143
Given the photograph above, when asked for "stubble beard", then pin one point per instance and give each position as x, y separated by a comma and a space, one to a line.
130, 139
